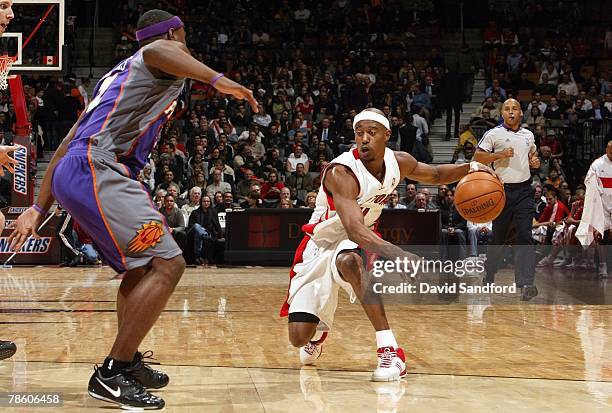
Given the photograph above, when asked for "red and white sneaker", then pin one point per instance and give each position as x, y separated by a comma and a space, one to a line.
391, 364
312, 351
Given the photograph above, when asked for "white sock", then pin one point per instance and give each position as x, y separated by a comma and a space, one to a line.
317, 335
385, 338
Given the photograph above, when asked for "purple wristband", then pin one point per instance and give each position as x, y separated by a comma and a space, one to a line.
39, 209
214, 80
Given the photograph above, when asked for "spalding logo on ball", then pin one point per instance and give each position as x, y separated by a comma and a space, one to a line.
480, 197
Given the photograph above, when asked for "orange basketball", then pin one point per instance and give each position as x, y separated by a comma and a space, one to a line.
480, 197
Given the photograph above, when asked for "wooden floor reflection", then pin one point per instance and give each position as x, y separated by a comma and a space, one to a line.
225, 348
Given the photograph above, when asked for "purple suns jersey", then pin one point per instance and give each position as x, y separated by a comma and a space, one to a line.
127, 111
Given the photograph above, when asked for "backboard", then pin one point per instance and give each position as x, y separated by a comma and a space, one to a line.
36, 37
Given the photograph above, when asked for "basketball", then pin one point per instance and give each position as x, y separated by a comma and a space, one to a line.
480, 197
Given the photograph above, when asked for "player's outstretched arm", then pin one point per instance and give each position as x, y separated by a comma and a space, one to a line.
344, 190
435, 174
30, 219
173, 57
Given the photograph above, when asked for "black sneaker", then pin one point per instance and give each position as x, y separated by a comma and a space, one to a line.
528, 292
7, 349
149, 378
123, 390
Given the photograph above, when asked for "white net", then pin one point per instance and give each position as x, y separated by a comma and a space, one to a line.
5, 66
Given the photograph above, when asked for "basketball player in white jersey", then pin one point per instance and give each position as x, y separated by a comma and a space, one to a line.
354, 190
7, 348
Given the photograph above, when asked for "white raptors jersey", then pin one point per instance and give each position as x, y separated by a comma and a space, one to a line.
325, 224
602, 167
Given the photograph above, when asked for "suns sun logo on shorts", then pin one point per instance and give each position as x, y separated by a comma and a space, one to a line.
148, 236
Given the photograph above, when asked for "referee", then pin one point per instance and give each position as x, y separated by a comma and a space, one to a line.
512, 151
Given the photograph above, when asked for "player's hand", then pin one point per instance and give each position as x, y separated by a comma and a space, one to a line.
25, 225
242, 93
477, 166
6, 161
534, 161
507, 153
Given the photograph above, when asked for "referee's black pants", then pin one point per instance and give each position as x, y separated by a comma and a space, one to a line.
518, 211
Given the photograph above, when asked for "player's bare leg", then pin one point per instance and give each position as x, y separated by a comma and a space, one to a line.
144, 304
140, 369
300, 333
391, 359
138, 307
350, 266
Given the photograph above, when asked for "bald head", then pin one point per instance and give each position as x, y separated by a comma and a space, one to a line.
512, 114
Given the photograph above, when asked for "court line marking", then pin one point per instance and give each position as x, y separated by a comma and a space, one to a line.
412, 373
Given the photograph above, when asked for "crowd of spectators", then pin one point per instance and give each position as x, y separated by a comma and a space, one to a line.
313, 65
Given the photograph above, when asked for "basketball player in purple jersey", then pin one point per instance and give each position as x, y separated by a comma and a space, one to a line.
7, 348
92, 175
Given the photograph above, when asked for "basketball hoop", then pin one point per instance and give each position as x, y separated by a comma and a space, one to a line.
6, 62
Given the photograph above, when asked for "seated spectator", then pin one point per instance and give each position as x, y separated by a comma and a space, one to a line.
174, 191
244, 185
524, 83
199, 180
217, 184
168, 180
551, 141
285, 203
411, 193
539, 202
439, 199
537, 101
535, 117
158, 200
598, 112
553, 110
479, 233
205, 231
300, 179
175, 221
393, 202
464, 155
311, 200
270, 190
147, 178
489, 106
291, 195
485, 120
262, 118
253, 200
228, 203
552, 216
496, 87
218, 199
272, 161
195, 194
227, 173
419, 204
554, 179
568, 85
296, 158
453, 228
564, 238
427, 193
258, 150
545, 87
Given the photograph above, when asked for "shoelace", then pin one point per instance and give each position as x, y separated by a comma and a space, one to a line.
310, 348
386, 358
147, 358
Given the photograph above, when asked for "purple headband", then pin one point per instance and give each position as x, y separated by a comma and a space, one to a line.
159, 28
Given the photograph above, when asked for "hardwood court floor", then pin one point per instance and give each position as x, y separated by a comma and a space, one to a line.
226, 350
